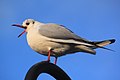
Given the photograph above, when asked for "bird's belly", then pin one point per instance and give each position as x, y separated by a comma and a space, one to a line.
42, 45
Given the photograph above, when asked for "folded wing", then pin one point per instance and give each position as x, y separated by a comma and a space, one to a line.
56, 31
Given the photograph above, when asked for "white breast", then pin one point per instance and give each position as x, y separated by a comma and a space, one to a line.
42, 44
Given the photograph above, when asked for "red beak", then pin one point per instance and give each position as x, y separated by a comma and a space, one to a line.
17, 25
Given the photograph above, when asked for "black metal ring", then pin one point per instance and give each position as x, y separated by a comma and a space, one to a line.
46, 67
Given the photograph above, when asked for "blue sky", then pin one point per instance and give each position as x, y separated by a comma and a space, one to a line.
92, 19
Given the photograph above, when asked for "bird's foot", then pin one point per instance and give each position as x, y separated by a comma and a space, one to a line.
47, 61
55, 62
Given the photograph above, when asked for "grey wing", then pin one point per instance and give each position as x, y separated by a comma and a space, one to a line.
58, 32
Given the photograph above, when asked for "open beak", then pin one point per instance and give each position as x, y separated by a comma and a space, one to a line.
17, 25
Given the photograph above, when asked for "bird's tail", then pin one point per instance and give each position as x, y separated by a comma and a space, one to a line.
101, 44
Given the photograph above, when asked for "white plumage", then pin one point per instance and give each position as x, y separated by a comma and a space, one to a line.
56, 40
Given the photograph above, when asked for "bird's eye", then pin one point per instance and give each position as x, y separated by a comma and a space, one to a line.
27, 23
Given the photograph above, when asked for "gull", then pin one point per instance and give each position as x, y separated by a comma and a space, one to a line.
56, 40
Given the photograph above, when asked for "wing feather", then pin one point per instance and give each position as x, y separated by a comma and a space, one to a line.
59, 32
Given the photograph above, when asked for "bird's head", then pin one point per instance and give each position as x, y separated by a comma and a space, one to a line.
27, 24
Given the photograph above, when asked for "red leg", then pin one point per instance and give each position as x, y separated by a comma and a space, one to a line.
55, 60
49, 52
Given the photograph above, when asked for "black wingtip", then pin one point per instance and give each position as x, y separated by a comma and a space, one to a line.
112, 41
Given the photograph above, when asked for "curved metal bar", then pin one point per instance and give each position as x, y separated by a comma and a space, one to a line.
46, 67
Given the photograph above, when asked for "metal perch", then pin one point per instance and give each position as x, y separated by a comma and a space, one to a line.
46, 67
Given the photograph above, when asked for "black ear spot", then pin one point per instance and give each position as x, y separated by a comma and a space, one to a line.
33, 22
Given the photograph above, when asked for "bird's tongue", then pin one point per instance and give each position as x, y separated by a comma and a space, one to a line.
22, 33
